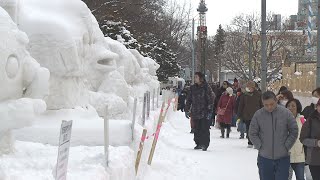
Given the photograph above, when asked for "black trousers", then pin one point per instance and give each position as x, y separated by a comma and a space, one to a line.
315, 172
248, 126
201, 132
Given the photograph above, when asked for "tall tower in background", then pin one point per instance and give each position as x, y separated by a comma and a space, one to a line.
202, 36
304, 8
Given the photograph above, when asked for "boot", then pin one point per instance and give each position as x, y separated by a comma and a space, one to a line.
222, 133
192, 131
241, 136
204, 148
198, 147
228, 132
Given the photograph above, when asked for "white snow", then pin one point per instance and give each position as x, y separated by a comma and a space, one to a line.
87, 129
298, 73
174, 156
91, 78
81, 60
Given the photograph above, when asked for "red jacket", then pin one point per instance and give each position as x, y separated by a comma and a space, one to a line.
227, 117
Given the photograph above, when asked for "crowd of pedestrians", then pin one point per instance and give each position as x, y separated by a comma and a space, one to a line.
286, 136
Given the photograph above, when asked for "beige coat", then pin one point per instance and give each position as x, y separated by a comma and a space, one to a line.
297, 151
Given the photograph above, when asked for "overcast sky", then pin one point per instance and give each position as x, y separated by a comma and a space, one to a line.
223, 11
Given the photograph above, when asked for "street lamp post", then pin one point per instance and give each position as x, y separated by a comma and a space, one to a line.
193, 51
250, 50
264, 46
318, 47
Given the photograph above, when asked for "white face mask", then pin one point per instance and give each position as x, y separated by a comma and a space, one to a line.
247, 89
314, 100
284, 102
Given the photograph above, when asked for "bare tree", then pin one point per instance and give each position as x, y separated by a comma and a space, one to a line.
236, 53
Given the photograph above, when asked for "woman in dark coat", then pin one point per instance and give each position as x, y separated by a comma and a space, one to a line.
310, 137
227, 103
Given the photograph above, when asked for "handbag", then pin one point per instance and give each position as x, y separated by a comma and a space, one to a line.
222, 111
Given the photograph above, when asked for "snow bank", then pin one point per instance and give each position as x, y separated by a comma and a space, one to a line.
36, 161
87, 128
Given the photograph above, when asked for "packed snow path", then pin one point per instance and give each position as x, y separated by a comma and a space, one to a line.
175, 158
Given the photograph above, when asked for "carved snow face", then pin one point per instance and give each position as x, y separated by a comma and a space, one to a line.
68, 39
12, 57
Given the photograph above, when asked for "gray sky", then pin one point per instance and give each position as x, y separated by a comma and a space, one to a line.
223, 11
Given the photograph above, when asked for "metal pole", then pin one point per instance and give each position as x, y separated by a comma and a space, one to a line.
318, 47
148, 104
219, 73
106, 137
153, 94
144, 109
134, 112
193, 51
158, 93
263, 45
250, 50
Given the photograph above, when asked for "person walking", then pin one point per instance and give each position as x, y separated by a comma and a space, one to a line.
310, 137
241, 126
182, 100
284, 97
200, 104
308, 110
273, 131
225, 111
297, 157
250, 102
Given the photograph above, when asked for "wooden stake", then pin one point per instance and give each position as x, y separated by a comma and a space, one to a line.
143, 138
156, 136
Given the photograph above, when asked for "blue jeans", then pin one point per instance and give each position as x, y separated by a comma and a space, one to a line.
242, 127
270, 169
298, 169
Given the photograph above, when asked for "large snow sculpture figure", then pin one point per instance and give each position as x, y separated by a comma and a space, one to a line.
85, 67
64, 39
21, 78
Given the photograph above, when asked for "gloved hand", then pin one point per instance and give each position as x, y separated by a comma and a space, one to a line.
187, 115
238, 121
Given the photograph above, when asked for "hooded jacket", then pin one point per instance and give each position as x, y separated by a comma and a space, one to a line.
273, 133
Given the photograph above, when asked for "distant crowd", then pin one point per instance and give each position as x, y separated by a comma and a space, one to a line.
286, 135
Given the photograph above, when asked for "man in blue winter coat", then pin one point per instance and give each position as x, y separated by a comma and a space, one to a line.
273, 131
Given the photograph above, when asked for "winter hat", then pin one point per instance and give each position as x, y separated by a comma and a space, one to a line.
235, 80
229, 91
251, 84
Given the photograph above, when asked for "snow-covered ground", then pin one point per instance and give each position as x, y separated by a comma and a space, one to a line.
174, 157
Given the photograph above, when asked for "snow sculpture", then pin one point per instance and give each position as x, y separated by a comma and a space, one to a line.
69, 45
21, 78
85, 67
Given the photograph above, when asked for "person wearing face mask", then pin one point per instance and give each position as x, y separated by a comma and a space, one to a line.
225, 111
308, 110
249, 103
284, 97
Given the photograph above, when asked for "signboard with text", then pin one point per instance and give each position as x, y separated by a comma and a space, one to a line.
63, 150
